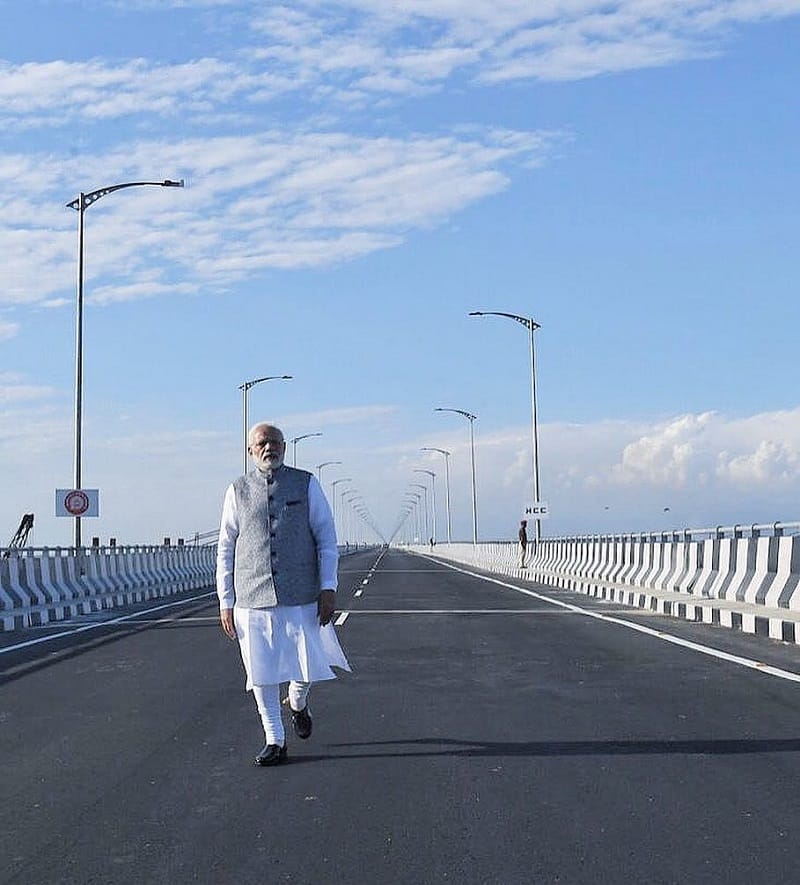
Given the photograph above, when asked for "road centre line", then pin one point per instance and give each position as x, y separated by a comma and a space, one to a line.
62, 634
749, 663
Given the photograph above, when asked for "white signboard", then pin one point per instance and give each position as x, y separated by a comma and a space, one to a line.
538, 510
78, 502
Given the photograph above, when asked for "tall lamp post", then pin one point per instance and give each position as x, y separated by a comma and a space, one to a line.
349, 496
419, 485
432, 475
531, 325
414, 498
294, 443
472, 419
321, 467
335, 483
446, 485
81, 203
245, 388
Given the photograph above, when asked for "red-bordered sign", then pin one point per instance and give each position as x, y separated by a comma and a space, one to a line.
76, 503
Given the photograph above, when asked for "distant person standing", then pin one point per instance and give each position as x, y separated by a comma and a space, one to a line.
523, 542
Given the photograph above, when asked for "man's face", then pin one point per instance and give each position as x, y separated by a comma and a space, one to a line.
266, 446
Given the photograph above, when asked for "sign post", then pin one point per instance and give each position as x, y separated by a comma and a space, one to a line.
77, 504
539, 510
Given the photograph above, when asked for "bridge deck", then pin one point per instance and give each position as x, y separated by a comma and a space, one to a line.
489, 734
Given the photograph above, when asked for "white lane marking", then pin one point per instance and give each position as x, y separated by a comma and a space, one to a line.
121, 619
209, 620
457, 611
359, 593
758, 666
341, 619
95, 624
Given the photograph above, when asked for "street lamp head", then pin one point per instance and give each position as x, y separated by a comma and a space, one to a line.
248, 384
86, 199
528, 322
470, 417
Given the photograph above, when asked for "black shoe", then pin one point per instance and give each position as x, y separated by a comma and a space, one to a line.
301, 722
272, 754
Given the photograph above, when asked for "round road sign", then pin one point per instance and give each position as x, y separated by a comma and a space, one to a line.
76, 502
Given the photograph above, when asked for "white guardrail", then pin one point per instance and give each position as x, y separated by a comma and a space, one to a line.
43, 584
745, 577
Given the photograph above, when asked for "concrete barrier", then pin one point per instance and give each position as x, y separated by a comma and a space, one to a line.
40, 585
743, 578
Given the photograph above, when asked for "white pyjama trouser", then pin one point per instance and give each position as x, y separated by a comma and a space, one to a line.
268, 701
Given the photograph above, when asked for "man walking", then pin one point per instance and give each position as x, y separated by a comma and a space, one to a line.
276, 581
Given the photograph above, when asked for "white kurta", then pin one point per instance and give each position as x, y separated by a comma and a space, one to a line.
284, 642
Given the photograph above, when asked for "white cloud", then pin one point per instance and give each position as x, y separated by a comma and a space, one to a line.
14, 391
708, 449
57, 93
671, 454
268, 200
370, 50
707, 469
8, 330
690, 470
772, 462
332, 417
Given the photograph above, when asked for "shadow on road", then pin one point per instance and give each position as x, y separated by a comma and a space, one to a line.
449, 747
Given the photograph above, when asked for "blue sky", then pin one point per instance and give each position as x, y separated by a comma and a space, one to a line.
362, 174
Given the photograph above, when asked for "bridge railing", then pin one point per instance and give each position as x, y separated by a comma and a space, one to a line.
43, 584
737, 576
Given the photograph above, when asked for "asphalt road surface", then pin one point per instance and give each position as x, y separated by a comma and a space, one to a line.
493, 731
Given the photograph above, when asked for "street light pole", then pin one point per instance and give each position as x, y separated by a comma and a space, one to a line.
471, 418
432, 475
321, 466
81, 204
295, 441
446, 485
349, 495
333, 497
424, 488
245, 389
531, 325
417, 527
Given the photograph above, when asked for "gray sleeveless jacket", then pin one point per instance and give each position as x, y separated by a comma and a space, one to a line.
275, 561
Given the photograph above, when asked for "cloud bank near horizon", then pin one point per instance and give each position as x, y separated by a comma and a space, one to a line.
699, 466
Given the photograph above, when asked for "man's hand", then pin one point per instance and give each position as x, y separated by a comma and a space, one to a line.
326, 606
226, 619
